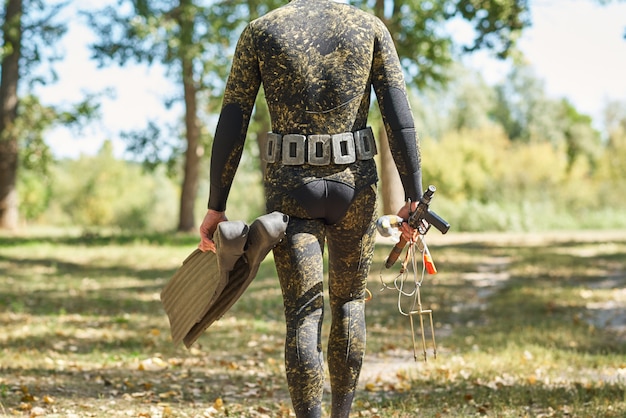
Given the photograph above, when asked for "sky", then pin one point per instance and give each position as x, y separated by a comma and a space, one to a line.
579, 48
575, 46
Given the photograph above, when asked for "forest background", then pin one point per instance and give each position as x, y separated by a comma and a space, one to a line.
504, 157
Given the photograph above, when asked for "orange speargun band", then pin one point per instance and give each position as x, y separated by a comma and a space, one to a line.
428, 262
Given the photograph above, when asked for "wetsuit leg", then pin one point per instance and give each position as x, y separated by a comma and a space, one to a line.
299, 264
350, 252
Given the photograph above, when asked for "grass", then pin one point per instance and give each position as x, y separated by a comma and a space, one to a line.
526, 326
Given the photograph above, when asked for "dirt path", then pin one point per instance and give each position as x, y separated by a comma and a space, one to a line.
488, 277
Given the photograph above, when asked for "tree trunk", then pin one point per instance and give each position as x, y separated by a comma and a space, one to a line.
391, 186
189, 191
186, 221
261, 120
12, 30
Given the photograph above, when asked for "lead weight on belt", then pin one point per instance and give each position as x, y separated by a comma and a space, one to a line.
318, 149
343, 148
293, 149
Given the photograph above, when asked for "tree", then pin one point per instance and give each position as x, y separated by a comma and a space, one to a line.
173, 34
582, 140
427, 50
615, 150
524, 110
12, 46
29, 34
189, 38
528, 115
94, 192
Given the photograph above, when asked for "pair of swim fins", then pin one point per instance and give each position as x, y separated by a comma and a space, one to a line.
208, 284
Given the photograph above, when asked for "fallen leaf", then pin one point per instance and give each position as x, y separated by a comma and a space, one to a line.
370, 387
218, 404
167, 395
27, 397
152, 364
37, 412
25, 406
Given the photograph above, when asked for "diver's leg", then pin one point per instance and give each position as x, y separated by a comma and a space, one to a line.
299, 265
350, 251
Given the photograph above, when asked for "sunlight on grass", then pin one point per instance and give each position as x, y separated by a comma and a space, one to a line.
523, 329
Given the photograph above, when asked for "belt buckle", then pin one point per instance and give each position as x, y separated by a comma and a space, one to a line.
343, 148
293, 149
318, 147
365, 144
269, 147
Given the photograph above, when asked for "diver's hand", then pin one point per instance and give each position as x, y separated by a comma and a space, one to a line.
409, 234
207, 229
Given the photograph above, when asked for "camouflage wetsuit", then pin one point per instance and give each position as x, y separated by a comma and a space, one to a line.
318, 61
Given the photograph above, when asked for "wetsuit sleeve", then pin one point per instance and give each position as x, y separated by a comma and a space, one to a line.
230, 135
390, 89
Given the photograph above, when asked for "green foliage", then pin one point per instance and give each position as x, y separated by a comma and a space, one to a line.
498, 24
35, 119
102, 191
169, 32
427, 51
246, 200
486, 179
34, 182
193, 40
523, 108
32, 36
205, 32
465, 102
41, 28
35, 192
528, 115
462, 163
537, 164
486, 182
503, 158
153, 148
